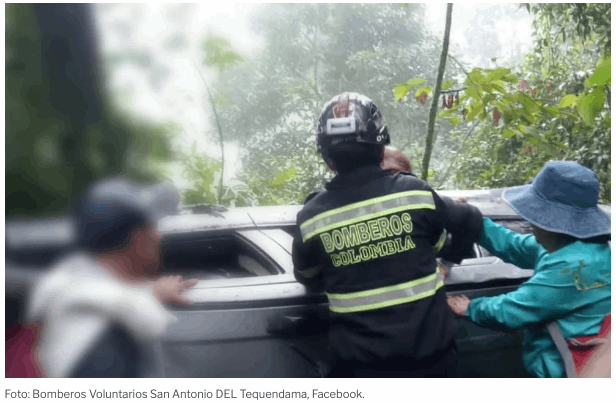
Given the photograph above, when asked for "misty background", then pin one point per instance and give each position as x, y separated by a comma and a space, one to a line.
222, 99
166, 86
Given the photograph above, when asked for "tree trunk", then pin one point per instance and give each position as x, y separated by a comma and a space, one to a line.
220, 135
437, 93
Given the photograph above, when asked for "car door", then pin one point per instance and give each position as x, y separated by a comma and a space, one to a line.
485, 352
482, 352
239, 327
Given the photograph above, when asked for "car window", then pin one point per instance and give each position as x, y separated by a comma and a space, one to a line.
225, 256
518, 225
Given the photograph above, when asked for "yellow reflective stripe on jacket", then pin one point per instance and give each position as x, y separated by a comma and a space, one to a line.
366, 210
440, 243
386, 296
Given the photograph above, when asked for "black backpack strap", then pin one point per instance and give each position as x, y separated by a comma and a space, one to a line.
562, 347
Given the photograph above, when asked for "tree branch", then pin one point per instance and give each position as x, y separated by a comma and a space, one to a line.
316, 62
437, 90
457, 153
221, 138
453, 91
459, 64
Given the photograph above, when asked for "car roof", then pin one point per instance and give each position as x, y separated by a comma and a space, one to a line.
61, 231
232, 218
489, 203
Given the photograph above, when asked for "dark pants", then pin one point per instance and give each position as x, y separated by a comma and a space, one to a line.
441, 364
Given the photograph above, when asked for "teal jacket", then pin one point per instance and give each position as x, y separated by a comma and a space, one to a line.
570, 285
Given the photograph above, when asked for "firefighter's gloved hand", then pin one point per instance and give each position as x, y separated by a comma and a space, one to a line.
463, 223
455, 252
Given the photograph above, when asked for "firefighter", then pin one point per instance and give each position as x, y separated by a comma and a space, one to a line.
370, 241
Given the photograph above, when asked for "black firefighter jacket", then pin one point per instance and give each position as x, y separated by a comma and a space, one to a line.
370, 241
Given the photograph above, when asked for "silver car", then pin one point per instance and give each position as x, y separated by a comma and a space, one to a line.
250, 318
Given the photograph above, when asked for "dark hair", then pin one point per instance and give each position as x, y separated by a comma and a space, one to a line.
114, 237
108, 230
352, 155
566, 239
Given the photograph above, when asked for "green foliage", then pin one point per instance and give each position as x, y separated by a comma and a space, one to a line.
202, 174
603, 73
248, 189
312, 52
590, 103
53, 150
559, 23
402, 89
555, 106
219, 53
280, 190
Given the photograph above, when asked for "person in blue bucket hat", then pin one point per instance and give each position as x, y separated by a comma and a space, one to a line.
570, 253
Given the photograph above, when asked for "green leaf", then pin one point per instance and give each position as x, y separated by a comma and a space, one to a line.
474, 76
507, 133
415, 82
423, 90
603, 74
444, 112
401, 90
549, 149
284, 176
589, 105
447, 84
473, 92
515, 97
510, 78
498, 86
552, 111
219, 53
496, 74
455, 121
493, 60
476, 107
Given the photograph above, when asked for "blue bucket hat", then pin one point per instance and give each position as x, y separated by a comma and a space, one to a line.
563, 198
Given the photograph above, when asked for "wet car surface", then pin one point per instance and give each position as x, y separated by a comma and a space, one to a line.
249, 317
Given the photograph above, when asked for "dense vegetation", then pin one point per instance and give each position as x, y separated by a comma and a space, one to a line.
496, 127
61, 130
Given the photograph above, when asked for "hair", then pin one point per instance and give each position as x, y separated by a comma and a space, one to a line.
567, 239
111, 235
397, 158
352, 155
563, 239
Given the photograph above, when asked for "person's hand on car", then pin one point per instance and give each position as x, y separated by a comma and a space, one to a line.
443, 268
171, 289
459, 304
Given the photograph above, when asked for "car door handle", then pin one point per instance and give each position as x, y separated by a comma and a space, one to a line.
284, 324
297, 325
